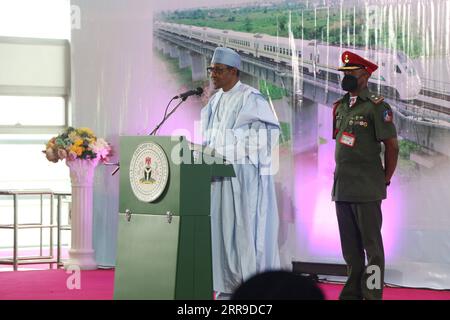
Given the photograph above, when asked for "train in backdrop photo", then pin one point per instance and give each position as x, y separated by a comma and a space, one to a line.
395, 78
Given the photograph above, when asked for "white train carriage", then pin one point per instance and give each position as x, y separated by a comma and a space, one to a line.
276, 49
186, 30
395, 77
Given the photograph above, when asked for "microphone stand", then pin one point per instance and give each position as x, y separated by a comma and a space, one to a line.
166, 116
113, 164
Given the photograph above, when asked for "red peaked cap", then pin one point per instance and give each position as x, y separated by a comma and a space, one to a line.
352, 62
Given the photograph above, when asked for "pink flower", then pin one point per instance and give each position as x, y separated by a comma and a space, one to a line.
62, 154
71, 156
101, 148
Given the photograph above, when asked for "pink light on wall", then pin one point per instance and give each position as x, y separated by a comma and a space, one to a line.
316, 223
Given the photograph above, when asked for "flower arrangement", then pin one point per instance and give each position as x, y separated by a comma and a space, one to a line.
78, 143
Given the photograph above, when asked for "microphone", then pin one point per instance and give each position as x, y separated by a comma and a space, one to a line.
189, 93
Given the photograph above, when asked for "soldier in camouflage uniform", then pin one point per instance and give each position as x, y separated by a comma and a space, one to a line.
361, 121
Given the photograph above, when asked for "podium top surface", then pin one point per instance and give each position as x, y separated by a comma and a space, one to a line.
167, 174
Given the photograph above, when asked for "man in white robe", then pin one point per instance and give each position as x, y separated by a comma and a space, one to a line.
239, 124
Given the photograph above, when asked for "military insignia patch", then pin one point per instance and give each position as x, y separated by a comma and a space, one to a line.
388, 116
346, 60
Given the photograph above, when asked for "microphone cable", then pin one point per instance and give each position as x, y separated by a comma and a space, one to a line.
164, 118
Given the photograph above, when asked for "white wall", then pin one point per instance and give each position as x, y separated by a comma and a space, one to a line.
111, 56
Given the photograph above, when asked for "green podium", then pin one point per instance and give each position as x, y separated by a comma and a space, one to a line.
164, 228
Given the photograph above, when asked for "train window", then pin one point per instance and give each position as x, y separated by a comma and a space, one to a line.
310, 56
397, 69
333, 77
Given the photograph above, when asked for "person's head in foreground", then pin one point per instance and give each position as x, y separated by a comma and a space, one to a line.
278, 285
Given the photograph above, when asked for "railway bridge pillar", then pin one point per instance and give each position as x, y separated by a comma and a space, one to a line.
305, 125
184, 58
198, 65
174, 53
166, 47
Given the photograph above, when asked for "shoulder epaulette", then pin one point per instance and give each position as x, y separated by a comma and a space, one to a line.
336, 103
376, 99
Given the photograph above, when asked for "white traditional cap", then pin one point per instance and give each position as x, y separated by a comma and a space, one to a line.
226, 56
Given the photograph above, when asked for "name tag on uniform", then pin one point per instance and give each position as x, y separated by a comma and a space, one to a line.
348, 139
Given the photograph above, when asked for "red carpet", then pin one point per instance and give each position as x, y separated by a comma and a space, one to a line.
99, 285
52, 285
332, 291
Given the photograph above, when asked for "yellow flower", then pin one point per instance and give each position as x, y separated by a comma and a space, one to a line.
73, 136
77, 149
86, 130
78, 142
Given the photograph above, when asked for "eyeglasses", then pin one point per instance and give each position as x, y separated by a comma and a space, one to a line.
216, 70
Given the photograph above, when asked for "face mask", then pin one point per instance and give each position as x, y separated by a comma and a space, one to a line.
349, 83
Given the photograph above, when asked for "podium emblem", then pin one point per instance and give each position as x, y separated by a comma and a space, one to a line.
149, 172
